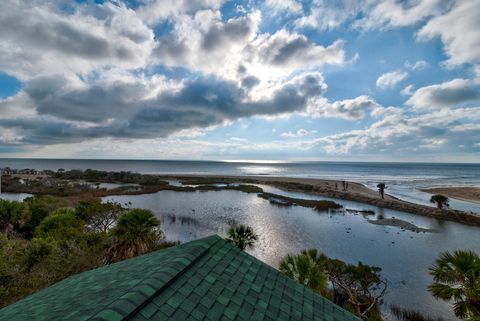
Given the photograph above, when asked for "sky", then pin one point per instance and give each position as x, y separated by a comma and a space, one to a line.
285, 80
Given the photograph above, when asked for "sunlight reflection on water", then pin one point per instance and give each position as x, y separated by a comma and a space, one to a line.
403, 255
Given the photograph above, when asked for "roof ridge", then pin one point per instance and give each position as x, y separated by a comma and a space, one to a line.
133, 299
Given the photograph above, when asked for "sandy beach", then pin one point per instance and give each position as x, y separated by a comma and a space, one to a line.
469, 194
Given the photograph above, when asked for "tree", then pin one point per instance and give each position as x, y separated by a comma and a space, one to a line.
99, 217
241, 236
361, 285
307, 268
381, 188
440, 200
136, 233
456, 278
358, 288
39, 208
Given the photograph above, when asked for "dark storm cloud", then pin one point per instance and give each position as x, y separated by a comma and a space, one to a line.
94, 103
202, 102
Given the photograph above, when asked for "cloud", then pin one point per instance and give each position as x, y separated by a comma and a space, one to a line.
451, 93
325, 15
289, 6
299, 133
42, 38
458, 30
390, 79
408, 91
147, 108
418, 65
400, 134
350, 109
388, 14
157, 11
370, 14
235, 49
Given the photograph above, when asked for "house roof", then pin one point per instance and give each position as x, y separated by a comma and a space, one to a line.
207, 279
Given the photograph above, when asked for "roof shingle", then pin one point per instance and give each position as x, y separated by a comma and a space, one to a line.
207, 279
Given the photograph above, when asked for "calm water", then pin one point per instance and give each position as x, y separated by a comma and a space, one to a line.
404, 255
402, 179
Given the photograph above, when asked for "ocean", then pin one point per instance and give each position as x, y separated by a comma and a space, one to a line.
403, 179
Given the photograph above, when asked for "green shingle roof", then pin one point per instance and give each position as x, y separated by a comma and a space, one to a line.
207, 279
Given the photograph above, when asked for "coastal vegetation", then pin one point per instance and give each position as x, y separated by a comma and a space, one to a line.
242, 236
456, 277
290, 201
357, 288
440, 200
402, 314
46, 239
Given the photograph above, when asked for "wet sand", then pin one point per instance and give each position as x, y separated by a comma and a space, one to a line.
469, 194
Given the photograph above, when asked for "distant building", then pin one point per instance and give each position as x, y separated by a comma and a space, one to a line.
207, 279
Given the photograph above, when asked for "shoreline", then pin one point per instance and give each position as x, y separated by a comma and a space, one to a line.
322, 187
462, 193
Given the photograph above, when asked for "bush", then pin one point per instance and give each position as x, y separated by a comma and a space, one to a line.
60, 225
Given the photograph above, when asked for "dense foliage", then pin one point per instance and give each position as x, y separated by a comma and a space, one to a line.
104, 176
357, 288
45, 239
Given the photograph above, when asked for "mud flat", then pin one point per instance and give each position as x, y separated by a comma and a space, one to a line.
404, 225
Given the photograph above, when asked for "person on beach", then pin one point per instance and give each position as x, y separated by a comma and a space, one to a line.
381, 189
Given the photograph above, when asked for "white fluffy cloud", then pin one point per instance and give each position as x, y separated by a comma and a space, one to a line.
458, 30
290, 6
351, 109
450, 93
375, 14
391, 79
43, 39
400, 134
387, 14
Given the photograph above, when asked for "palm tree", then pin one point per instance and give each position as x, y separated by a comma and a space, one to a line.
136, 233
457, 277
307, 268
440, 200
241, 236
